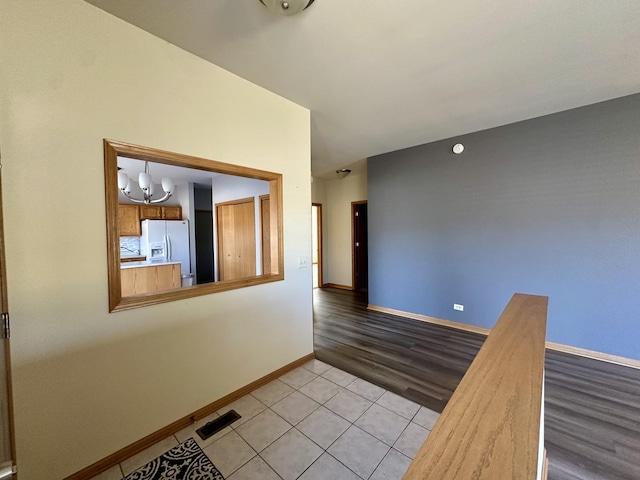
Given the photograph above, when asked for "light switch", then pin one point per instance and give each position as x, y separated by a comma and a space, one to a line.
302, 262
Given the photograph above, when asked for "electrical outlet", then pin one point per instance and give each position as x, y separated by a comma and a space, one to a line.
302, 262
457, 306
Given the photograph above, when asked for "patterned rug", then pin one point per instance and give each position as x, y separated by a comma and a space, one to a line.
184, 462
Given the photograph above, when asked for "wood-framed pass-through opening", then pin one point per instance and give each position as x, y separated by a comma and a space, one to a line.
188, 174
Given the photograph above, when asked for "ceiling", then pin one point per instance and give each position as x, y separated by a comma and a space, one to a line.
379, 76
158, 171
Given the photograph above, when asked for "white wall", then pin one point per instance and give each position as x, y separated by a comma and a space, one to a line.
339, 195
86, 382
186, 199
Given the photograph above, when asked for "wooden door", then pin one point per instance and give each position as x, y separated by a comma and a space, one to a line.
236, 229
265, 222
7, 436
360, 247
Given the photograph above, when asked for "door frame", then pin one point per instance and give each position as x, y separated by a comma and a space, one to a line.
319, 227
353, 241
4, 309
262, 199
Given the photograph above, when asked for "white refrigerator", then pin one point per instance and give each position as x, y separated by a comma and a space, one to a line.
166, 241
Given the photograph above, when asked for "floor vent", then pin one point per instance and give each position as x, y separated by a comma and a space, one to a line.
218, 424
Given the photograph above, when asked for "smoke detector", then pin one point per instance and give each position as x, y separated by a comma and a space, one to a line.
458, 148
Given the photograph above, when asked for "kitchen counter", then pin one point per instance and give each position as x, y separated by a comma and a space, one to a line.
146, 264
135, 258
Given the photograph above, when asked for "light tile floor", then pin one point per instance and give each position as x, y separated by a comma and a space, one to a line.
313, 423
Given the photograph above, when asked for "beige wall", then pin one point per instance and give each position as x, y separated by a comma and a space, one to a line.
86, 382
339, 193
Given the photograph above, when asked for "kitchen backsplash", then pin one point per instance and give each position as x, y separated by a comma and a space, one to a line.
129, 246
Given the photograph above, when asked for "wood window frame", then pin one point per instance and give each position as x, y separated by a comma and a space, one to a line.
113, 149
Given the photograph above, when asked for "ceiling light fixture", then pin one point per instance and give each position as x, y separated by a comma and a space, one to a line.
458, 148
288, 7
343, 172
146, 185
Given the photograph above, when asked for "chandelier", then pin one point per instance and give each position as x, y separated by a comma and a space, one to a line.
146, 185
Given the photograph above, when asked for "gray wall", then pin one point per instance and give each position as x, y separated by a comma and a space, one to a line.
548, 206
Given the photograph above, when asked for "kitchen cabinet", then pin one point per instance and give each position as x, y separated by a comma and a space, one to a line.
129, 221
150, 279
150, 212
172, 213
155, 212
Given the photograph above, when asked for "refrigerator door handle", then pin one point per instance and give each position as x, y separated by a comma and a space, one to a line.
169, 245
166, 248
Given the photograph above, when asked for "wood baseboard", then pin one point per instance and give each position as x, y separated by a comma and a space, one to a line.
337, 285
136, 447
425, 318
604, 357
558, 347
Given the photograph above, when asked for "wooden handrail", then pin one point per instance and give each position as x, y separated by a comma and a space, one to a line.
490, 429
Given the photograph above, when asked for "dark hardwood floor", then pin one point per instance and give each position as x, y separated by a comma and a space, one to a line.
592, 408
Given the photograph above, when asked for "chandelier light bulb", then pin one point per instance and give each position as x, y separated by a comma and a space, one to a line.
167, 185
144, 180
123, 180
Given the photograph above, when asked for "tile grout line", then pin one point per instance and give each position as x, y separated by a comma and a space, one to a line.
292, 426
270, 467
351, 424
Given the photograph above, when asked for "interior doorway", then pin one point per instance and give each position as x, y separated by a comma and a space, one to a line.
7, 443
359, 245
204, 246
316, 241
203, 230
